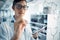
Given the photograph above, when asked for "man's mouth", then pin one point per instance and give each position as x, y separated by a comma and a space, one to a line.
20, 14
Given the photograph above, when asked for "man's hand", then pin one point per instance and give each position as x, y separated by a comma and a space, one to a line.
35, 35
19, 26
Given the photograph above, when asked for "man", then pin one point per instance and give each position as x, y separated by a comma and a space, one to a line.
18, 30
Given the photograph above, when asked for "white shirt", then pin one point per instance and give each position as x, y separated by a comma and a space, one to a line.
7, 32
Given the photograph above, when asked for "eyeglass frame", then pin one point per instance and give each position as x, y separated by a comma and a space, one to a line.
20, 6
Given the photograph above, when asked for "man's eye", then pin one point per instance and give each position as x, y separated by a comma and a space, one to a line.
25, 6
18, 6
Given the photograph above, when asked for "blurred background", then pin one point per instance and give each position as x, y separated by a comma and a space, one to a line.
42, 15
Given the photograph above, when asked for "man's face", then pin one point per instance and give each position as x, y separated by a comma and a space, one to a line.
20, 9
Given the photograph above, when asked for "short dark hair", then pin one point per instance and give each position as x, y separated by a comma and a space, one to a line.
15, 1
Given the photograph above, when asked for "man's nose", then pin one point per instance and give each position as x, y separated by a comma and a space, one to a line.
21, 10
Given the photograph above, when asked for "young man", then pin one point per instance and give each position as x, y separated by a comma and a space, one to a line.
19, 6
17, 31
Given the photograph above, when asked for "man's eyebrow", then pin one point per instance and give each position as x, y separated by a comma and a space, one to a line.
21, 4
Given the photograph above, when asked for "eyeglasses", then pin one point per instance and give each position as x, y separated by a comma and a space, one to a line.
19, 6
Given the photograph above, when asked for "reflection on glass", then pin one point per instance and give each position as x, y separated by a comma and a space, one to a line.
53, 32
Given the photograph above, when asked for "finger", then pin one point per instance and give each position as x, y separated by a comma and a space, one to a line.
16, 26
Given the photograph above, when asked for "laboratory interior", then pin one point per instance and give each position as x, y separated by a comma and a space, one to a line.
42, 15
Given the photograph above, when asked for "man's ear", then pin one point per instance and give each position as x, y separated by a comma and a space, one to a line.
13, 7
